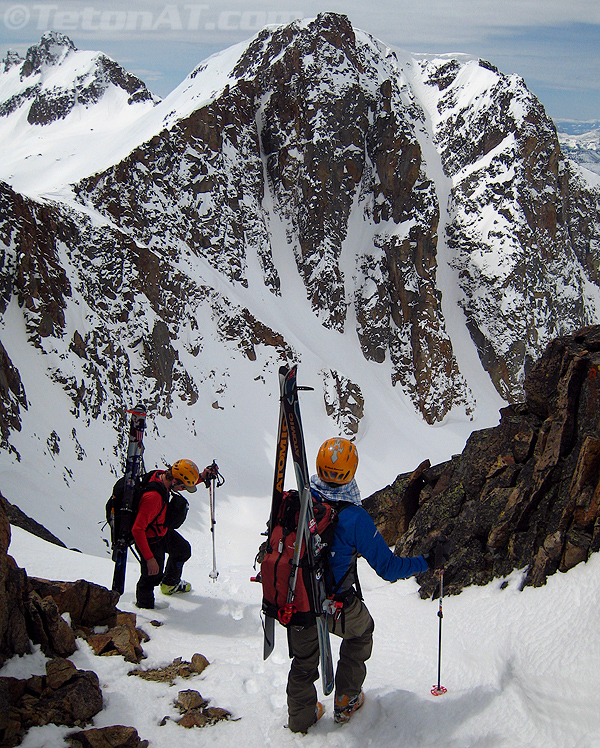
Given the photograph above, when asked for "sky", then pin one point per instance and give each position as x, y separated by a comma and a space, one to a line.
553, 45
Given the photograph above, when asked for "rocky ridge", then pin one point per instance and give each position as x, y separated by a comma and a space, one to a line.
524, 495
333, 131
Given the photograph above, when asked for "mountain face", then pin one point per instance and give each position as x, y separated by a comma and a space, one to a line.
407, 225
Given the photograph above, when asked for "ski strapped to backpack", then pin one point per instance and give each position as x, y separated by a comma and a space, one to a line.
123, 505
133, 467
292, 570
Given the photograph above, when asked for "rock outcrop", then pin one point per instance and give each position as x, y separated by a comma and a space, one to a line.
63, 696
524, 495
114, 736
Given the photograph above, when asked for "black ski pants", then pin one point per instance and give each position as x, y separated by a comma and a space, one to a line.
178, 550
357, 635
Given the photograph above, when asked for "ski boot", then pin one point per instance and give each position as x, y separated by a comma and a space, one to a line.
172, 589
344, 707
319, 712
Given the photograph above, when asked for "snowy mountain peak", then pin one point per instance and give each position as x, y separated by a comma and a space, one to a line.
52, 49
55, 79
82, 101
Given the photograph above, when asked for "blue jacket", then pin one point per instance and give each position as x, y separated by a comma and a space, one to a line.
355, 533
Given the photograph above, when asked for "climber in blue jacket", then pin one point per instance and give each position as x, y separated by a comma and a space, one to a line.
355, 534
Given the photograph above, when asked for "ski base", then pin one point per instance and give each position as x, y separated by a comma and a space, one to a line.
327, 673
439, 690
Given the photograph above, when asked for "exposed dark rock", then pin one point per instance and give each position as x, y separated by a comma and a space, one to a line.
64, 696
115, 736
48, 628
14, 638
196, 712
12, 58
18, 518
87, 604
344, 402
52, 48
123, 638
523, 495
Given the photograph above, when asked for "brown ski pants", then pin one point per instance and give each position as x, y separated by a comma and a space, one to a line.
356, 631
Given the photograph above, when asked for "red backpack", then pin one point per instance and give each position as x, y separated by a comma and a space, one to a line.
275, 568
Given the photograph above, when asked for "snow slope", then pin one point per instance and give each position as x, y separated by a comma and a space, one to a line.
520, 667
233, 421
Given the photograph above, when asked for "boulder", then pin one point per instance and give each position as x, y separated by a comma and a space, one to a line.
115, 736
64, 696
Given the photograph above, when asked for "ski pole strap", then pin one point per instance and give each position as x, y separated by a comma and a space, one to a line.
216, 475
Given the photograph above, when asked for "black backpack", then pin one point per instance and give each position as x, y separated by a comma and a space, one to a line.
177, 505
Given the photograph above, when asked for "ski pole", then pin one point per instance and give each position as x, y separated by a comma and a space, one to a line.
439, 690
213, 574
216, 480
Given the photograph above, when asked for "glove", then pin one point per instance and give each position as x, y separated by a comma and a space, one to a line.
210, 472
439, 554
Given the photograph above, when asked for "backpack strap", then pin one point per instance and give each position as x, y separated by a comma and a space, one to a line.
338, 507
160, 488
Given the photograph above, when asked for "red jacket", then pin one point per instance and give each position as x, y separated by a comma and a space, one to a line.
150, 519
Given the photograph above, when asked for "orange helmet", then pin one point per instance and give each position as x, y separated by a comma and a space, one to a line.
337, 460
187, 473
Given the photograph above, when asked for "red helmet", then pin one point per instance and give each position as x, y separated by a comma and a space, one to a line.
337, 460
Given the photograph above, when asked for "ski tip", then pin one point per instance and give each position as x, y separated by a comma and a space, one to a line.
139, 410
439, 690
